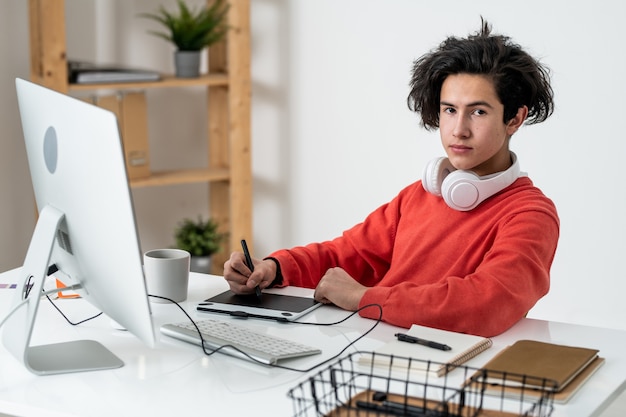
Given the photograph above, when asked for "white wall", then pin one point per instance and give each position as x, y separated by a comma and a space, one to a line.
333, 138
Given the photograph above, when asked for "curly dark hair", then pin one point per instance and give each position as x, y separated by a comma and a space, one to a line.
519, 79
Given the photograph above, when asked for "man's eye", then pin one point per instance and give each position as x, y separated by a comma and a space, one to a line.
449, 110
479, 112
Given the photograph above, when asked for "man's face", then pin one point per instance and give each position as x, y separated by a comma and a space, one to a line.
471, 125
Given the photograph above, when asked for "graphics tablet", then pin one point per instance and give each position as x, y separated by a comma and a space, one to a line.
279, 307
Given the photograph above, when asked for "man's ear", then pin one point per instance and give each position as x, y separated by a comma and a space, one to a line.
517, 120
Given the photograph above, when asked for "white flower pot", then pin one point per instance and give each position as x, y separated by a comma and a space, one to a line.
187, 64
200, 264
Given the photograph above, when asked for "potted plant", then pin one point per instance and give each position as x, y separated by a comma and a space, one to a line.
191, 31
201, 239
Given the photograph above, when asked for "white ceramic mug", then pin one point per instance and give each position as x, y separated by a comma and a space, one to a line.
167, 274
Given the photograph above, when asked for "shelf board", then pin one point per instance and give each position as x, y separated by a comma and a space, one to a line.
166, 81
186, 176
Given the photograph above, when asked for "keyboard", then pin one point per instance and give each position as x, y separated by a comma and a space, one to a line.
216, 333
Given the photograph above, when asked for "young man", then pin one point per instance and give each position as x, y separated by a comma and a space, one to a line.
469, 248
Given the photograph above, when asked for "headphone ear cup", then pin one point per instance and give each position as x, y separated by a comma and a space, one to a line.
459, 190
463, 190
435, 173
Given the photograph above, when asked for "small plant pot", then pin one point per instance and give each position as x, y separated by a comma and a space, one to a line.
200, 264
187, 64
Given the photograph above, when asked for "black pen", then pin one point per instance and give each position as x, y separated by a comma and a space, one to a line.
412, 339
395, 408
249, 264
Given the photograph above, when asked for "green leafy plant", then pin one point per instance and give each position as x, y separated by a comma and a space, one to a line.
192, 30
199, 238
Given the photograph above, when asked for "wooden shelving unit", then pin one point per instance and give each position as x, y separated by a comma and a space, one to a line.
228, 172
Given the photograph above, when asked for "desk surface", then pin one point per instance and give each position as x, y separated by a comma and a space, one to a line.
176, 378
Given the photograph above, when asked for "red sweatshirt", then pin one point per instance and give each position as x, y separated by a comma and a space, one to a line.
477, 272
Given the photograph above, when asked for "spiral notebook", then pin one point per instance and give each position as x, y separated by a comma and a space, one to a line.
434, 361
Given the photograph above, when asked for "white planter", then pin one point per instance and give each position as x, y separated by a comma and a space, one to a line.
187, 64
200, 264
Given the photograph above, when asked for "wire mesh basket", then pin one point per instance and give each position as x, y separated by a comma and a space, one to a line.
357, 385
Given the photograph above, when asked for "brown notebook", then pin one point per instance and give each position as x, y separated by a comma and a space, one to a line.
562, 396
543, 360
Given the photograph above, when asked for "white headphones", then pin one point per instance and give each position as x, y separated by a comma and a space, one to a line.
463, 190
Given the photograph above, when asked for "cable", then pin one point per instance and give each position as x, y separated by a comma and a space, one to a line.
211, 352
204, 347
378, 320
52, 269
25, 300
21, 303
64, 316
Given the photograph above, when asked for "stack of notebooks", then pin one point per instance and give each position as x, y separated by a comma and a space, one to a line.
538, 365
525, 368
86, 73
402, 355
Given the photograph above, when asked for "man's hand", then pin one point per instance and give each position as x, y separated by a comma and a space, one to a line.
243, 281
340, 289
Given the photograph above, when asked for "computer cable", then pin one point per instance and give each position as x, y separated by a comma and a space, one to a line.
26, 298
52, 270
15, 308
64, 316
209, 352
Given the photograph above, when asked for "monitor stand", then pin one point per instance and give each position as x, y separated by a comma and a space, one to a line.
74, 356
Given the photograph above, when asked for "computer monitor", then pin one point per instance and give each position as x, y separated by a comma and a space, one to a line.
86, 228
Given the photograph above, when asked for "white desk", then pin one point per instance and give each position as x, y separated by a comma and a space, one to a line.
176, 378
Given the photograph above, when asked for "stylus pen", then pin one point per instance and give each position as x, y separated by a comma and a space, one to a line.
411, 339
249, 264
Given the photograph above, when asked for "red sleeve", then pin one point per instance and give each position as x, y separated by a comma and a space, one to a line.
363, 251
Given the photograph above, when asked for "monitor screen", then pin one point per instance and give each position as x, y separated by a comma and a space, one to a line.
86, 226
